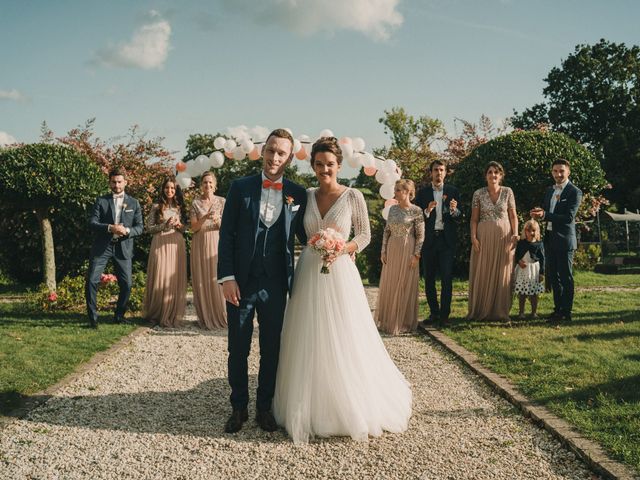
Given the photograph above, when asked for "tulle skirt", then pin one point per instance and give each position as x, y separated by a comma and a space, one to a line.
335, 377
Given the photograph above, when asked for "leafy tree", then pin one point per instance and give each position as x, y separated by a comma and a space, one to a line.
44, 179
527, 158
594, 97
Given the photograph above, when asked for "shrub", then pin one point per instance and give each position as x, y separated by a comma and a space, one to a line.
586, 257
526, 158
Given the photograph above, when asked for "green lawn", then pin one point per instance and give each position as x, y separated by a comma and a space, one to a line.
587, 372
37, 350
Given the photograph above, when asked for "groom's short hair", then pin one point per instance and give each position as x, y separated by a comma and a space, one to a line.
561, 161
114, 172
281, 133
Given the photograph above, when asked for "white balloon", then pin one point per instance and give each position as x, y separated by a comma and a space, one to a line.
218, 143
390, 166
379, 164
183, 180
347, 150
392, 177
326, 133
358, 144
387, 191
290, 131
385, 212
238, 153
382, 177
192, 169
304, 138
368, 160
296, 145
216, 159
229, 145
354, 162
247, 145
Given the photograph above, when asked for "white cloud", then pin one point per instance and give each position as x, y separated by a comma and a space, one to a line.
374, 18
147, 49
6, 139
12, 94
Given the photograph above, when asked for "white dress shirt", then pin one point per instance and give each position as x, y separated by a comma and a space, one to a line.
270, 203
555, 198
437, 196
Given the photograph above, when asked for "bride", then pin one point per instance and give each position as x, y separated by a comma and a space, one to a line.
335, 376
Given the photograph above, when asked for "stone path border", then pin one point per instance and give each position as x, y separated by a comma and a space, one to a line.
590, 452
39, 398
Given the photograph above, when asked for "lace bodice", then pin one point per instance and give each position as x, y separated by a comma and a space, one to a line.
489, 211
155, 225
199, 209
349, 210
401, 223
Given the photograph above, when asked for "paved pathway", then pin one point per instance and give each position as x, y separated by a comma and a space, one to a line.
156, 409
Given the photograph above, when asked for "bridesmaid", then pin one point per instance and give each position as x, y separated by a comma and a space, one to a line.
165, 296
397, 309
494, 234
206, 213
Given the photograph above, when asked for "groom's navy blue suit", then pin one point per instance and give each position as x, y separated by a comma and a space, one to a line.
560, 244
105, 248
260, 258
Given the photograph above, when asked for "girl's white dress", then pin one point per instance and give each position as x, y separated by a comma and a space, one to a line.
528, 278
335, 376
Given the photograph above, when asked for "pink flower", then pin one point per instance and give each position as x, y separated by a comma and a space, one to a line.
52, 297
107, 278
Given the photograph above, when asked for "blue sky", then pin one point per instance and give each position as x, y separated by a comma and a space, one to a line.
178, 68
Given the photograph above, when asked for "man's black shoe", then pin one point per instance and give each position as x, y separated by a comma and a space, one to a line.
423, 326
566, 318
266, 421
554, 317
93, 323
121, 320
235, 421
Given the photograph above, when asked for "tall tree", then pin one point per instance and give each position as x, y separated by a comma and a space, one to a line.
594, 97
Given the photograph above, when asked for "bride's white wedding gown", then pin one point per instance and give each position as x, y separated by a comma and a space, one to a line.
335, 376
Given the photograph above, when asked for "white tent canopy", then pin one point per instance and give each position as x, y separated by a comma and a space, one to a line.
624, 217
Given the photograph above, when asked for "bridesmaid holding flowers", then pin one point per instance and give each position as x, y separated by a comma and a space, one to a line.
206, 214
397, 309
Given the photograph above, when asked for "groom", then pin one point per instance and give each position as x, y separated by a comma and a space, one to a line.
115, 220
255, 267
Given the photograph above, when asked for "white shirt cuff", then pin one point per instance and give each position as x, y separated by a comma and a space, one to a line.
226, 279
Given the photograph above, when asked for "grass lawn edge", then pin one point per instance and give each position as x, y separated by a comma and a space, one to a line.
587, 450
38, 398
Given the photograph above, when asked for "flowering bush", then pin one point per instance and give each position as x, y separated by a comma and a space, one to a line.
70, 296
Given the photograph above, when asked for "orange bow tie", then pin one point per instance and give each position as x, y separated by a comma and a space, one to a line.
269, 184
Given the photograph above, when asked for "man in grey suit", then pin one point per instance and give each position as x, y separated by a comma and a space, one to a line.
115, 220
559, 209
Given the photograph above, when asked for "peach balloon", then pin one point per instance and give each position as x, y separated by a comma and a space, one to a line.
345, 140
391, 201
254, 154
301, 154
181, 167
370, 171
229, 154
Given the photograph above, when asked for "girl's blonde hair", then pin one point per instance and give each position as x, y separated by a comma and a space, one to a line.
408, 186
536, 230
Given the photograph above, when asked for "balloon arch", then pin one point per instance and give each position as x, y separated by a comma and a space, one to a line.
241, 147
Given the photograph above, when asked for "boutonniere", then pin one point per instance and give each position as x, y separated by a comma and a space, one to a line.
124, 205
444, 197
557, 197
289, 200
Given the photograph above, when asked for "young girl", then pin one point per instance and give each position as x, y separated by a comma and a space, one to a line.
529, 272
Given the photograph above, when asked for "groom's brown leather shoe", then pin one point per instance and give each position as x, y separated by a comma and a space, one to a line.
235, 421
266, 421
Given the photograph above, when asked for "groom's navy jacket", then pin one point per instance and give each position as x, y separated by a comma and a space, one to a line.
103, 214
241, 226
563, 219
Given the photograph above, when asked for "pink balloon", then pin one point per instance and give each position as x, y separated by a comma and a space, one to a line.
370, 171
254, 154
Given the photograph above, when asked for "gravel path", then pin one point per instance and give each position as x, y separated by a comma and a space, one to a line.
156, 409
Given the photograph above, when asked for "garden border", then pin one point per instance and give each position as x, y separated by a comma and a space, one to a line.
38, 398
587, 450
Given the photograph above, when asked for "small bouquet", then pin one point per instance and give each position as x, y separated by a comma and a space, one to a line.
108, 278
327, 242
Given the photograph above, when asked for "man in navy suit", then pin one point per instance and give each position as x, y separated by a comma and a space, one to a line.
439, 202
262, 214
561, 203
115, 220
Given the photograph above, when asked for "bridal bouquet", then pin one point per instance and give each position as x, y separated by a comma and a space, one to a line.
327, 242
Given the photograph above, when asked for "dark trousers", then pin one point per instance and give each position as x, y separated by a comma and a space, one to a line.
268, 297
122, 267
438, 259
560, 273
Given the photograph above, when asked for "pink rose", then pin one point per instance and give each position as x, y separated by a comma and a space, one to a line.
52, 297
